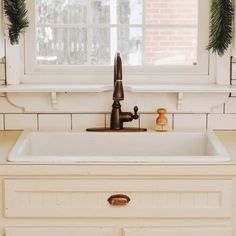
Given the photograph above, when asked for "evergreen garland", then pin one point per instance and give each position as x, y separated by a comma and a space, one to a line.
221, 26
16, 13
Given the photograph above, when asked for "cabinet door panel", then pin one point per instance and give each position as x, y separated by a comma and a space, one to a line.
180, 231
60, 231
75, 198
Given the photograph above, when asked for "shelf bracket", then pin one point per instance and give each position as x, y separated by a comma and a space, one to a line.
180, 101
8, 99
54, 100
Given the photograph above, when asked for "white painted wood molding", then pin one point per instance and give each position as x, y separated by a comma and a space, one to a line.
97, 88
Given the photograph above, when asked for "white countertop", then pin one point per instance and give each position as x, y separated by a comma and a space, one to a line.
8, 139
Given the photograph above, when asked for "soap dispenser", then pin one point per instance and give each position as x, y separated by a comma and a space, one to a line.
161, 120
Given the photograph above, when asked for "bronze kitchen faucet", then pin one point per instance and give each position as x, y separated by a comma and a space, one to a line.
117, 116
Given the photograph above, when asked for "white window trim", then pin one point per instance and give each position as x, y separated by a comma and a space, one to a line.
206, 73
2, 46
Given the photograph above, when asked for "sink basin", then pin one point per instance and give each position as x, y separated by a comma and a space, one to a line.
109, 148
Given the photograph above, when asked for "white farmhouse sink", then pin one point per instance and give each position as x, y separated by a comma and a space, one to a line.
119, 148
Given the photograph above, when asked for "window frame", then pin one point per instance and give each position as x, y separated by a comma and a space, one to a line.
202, 73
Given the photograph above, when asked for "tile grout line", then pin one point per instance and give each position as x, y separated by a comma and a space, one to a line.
173, 121
139, 121
71, 121
105, 120
207, 116
38, 121
4, 121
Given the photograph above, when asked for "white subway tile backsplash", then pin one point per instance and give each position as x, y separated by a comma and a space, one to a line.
82, 121
217, 109
1, 122
230, 105
222, 121
57, 122
2, 71
21, 121
79, 122
190, 121
149, 121
234, 72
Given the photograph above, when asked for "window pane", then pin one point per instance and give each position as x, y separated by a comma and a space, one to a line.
129, 11
100, 54
171, 46
89, 32
61, 11
59, 46
101, 11
130, 45
171, 12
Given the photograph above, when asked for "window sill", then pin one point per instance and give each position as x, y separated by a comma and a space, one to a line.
56, 88
98, 88
171, 88
94, 97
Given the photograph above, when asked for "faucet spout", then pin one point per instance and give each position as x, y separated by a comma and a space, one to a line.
118, 93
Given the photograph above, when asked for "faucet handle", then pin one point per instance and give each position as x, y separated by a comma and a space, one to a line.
135, 116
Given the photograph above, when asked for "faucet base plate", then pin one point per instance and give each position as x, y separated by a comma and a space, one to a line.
116, 130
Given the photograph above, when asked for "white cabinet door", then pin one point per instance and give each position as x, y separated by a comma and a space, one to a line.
178, 231
59, 231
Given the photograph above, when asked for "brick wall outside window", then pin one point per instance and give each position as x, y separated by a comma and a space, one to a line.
173, 40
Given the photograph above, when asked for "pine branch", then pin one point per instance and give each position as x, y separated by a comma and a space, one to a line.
16, 13
221, 26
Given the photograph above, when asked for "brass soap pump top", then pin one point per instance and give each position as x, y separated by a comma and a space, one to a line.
162, 120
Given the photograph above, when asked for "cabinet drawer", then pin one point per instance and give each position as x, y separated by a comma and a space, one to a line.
60, 198
180, 231
59, 231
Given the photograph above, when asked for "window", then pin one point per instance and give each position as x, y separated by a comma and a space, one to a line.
155, 37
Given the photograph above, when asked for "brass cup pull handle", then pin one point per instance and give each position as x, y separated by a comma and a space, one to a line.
118, 200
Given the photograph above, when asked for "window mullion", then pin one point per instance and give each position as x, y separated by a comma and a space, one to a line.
113, 29
89, 32
161, 26
143, 32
